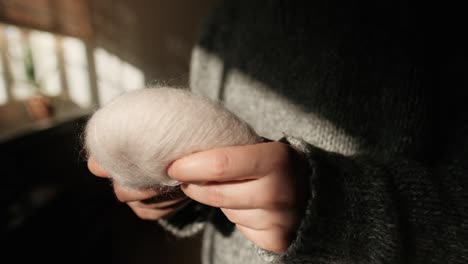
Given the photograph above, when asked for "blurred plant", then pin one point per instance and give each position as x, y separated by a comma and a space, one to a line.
39, 106
30, 69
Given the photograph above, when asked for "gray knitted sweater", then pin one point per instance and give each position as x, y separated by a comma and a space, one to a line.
375, 96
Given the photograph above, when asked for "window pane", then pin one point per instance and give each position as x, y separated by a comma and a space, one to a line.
78, 85
132, 78
108, 66
107, 91
74, 51
15, 40
23, 90
76, 68
44, 57
3, 93
50, 84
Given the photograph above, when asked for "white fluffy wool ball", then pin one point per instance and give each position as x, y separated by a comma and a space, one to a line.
140, 133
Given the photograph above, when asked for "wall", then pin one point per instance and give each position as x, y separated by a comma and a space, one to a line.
155, 36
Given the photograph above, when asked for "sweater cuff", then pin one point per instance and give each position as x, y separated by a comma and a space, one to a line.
307, 150
189, 221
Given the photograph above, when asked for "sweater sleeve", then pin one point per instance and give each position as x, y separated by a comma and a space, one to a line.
188, 220
368, 210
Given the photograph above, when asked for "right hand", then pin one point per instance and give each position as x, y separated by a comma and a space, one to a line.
149, 204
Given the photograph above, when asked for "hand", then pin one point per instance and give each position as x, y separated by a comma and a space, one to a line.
147, 204
261, 188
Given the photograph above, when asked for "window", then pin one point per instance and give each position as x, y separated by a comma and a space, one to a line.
115, 76
37, 62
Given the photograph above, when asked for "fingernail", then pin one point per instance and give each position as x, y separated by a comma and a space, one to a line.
173, 170
170, 170
184, 166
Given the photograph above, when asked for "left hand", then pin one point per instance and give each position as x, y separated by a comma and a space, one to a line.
148, 204
261, 188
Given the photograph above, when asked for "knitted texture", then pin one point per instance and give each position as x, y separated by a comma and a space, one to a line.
377, 93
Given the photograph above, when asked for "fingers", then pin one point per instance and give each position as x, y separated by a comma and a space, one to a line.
263, 193
260, 219
148, 204
166, 194
159, 206
231, 195
96, 169
272, 240
157, 211
126, 195
229, 163
151, 214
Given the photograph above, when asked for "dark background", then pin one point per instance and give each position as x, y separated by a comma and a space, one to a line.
55, 210
52, 208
